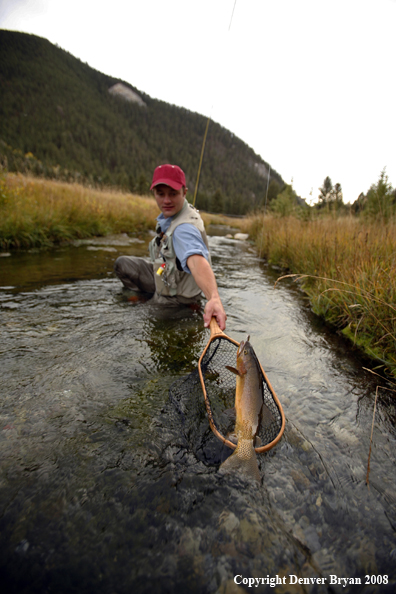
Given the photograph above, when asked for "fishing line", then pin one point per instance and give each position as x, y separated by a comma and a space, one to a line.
207, 127
232, 15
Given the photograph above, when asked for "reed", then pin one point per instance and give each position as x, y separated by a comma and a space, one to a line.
37, 212
347, 266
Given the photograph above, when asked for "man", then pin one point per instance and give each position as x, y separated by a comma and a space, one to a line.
180, 265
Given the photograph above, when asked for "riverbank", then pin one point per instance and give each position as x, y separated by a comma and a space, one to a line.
347, 267
42, 213
37, 213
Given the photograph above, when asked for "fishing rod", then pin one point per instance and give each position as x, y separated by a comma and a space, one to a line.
200, 161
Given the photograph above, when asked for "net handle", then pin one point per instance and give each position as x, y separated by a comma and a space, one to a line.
216, 332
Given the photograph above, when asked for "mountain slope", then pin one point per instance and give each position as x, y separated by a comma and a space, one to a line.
58, 119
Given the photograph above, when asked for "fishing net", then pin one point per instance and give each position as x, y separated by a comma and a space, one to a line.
218, 386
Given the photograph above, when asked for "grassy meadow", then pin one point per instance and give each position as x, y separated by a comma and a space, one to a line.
40, 213
347, 266
36, 212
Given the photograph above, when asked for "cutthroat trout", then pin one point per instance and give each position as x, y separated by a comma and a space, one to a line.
249, 403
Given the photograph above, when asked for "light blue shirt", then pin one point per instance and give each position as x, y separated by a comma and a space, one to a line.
187, 241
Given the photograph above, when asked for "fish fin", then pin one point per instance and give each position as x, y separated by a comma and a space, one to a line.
233, 438
243, 461
233, 370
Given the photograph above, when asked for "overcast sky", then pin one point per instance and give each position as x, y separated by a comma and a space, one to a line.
308, 84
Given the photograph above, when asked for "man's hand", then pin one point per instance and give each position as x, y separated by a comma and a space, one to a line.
214, 309
205, 279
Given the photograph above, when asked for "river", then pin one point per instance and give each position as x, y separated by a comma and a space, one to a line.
106, 488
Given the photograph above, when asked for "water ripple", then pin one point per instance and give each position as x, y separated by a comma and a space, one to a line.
108, 484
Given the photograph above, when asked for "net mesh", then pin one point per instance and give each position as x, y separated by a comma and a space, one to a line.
220, 386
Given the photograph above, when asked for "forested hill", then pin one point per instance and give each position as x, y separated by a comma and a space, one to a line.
58, 119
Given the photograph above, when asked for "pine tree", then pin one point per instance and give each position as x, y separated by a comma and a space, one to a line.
325, 193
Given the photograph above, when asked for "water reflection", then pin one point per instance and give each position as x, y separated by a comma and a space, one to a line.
174, 336
85, 259
107, 486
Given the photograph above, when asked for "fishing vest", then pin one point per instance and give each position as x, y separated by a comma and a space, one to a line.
170, 278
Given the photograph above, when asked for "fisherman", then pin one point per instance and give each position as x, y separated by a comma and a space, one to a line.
180, 269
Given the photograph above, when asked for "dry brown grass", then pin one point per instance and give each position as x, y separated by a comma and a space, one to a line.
348, 268
39, 212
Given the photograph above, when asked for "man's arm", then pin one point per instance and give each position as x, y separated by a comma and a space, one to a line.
206, 281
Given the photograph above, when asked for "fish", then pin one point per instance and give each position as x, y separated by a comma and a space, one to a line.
249, 402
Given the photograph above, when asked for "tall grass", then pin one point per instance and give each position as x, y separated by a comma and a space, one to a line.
36, 212
347, 266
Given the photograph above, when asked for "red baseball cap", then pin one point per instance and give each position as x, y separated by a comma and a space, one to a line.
170, 175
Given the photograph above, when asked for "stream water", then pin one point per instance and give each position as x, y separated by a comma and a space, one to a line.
106, 488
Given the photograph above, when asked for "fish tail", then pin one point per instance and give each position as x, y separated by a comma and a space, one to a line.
243, 460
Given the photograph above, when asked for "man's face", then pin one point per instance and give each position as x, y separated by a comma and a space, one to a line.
170, 201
